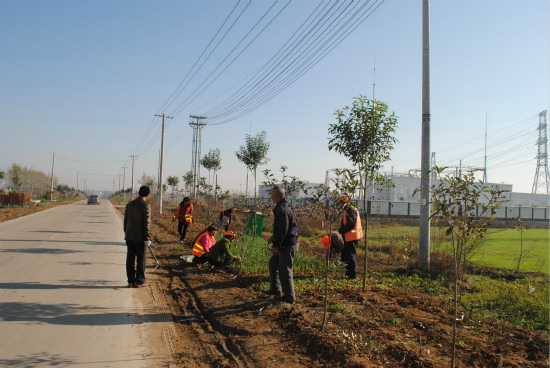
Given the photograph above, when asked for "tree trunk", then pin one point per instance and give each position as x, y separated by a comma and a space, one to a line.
365, 203
325, 310
255, 194
455, 297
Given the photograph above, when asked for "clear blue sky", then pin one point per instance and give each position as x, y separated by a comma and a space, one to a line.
84, 79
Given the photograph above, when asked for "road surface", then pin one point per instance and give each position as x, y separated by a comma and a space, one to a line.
63, 295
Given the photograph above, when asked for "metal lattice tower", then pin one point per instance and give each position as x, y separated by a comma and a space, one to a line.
434, 173
541, 184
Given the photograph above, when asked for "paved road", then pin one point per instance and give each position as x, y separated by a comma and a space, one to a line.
63, 295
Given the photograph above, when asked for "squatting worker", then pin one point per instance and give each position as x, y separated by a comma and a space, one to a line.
203, 244
220, 255
184, 217
352, 231
137, 233
284, 246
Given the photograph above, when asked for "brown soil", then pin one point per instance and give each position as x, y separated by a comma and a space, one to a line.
223, 321
13, 213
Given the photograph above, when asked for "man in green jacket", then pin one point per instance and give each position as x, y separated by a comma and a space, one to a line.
220, 255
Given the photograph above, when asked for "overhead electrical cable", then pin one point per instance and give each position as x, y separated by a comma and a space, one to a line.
275, 58
203, 87
143, 140
253, 76
281, 68
179, 89
86, 162
320, 53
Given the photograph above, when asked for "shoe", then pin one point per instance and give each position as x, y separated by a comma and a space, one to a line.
273, 293
182, 242
284, 299
140, 285
131, 286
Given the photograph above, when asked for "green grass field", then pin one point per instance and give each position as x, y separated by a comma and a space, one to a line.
501, 249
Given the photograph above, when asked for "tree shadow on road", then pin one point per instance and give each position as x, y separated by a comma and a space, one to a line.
75, 315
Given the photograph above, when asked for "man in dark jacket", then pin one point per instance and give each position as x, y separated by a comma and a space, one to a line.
284, 246
137, 230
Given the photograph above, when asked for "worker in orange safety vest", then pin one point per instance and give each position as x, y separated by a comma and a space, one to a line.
184, 217
351, 230
203, 244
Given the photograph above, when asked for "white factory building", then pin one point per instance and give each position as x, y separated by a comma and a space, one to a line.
404, 186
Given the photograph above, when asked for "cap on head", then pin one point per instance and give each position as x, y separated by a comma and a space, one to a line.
279, 190
230, 233
144, 191
344, 198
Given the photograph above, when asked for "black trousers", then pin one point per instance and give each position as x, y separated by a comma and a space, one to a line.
226, 262
349, 257
281, 274
182, 229
200, 260
135, 262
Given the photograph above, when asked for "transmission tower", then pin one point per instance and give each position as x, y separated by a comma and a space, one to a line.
541, 183
196, 151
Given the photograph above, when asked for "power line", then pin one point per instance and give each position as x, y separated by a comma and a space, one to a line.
173, 96
309, 63
199, 90
275, 60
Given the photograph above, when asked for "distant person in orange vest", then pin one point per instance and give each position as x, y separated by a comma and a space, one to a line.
352, 231
184, 217
203, 244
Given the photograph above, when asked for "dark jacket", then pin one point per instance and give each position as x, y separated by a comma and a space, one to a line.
351, 217
285, 227
137, 220
220, 250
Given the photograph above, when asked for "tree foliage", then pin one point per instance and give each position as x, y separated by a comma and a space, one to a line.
364, 133
35, 182
465, 206
254, 153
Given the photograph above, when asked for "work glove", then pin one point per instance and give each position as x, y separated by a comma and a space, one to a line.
148, 243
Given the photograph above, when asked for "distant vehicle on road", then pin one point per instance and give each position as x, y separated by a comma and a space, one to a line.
93, 199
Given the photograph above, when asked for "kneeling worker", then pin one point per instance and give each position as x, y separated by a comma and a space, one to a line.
203, 244
220, 256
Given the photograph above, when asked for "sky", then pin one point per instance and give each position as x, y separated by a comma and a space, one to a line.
85, 79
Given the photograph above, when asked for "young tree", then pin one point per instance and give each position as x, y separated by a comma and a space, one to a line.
465, 205
15, 174
212, 161
173, 182
292, 186
188, 181
254, 153
364, 133
2, 175
147, 180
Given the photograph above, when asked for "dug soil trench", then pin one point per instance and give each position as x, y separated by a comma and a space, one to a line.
224, 320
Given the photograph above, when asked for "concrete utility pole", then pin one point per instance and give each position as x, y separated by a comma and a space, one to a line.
77, 183
133, 159
424, 246
196, 152
164, 117
123, 182
51, 186
485, 159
